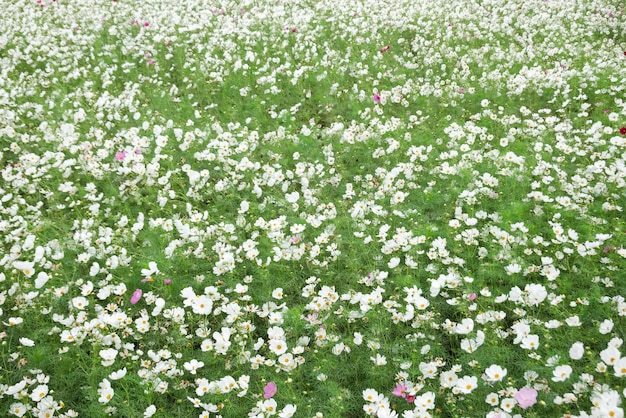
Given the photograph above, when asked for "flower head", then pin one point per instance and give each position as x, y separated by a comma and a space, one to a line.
136, 296
399, 390
120, 156
269, 390
526, 397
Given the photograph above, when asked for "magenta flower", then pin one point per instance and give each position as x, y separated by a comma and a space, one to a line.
526, 397
269, 390
376, 98
168, 281
136, 296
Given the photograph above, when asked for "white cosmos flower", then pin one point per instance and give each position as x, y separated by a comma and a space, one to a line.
292, 197
105, 391
193, 365
108, 356
26, 267
535, 294
41, 280
27, 342
561, 373
573, 321
393, 262
606, 326
465, 327
151, 410
118, 374
80, 302
577, 350
494, 373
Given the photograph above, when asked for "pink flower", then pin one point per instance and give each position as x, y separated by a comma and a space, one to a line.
269, 390
168, 281
120, 156
526, 397
410, 398
376, 98
399, 390
472, 297
136, 296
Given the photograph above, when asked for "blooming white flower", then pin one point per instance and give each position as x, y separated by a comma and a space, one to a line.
118, 374
379, 360
492, 399
288, 411
193, 365
26, 342
535, 294
108, 356
530, 342
465, 327
150, 410
561, 373
39, 392
80, 302
466, 384
26, 267
573, 321
577, 350
620, 367
41, 280
494, 373
105, 391
277, 346
606, 326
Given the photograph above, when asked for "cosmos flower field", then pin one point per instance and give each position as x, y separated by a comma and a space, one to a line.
313, 208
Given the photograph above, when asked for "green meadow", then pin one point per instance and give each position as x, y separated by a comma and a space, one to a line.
313, 209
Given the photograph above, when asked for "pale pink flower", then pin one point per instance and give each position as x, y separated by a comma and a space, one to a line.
269, 390
526, 397
120, 156
400, 390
